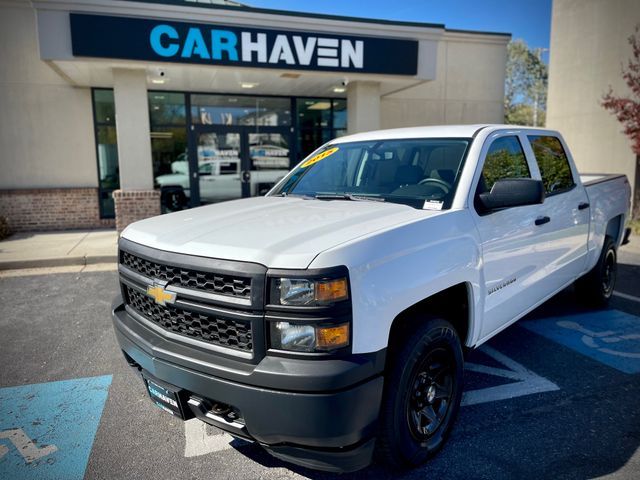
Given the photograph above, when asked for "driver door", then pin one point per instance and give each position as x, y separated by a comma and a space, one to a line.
509, 238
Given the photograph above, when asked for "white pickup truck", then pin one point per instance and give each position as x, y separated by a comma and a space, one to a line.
328, 320
220, 179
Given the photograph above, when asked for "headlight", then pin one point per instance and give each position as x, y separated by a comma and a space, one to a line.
306, 292
308, 338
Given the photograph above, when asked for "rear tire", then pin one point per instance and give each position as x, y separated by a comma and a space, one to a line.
596, 287
423, 388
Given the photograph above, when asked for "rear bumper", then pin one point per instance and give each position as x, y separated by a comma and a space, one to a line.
329, 429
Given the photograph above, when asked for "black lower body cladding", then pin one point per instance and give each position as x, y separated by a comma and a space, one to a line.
316, 413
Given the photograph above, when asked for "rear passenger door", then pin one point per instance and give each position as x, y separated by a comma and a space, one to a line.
563, 238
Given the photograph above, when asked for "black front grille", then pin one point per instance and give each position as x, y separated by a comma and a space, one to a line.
218, 331
188, 278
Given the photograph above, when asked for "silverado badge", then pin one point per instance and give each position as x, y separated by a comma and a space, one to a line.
160, 295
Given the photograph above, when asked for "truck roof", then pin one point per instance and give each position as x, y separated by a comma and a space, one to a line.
434, 131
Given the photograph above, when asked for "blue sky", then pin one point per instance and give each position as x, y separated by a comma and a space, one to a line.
526, 19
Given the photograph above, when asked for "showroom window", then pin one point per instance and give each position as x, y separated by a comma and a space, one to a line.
240, 110
168, 122
106, 149
279, 132
319, 120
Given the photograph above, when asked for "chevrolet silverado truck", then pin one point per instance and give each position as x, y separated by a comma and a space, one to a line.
328, 320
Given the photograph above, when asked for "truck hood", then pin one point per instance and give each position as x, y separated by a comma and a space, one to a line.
273, 231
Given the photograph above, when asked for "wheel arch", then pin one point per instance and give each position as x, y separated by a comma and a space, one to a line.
454, 304
615, 229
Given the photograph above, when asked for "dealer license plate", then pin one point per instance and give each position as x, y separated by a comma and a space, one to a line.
164, 397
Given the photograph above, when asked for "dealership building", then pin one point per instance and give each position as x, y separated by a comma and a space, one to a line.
115, 110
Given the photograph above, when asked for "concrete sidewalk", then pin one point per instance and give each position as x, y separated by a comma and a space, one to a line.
53, 249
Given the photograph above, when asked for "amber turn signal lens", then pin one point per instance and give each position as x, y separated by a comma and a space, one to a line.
332, 337
332, 290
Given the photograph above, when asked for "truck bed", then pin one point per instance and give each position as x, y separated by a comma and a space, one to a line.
589, 179
606, 202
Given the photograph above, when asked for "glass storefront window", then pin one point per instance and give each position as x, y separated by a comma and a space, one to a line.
167, 108
170, 166
314, 113
339, 114
267, 153
319, 120
167, 115
104, 107
309, 140
240, 110
106, 150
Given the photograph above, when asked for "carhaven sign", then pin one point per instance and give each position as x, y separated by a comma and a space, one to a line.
170, 41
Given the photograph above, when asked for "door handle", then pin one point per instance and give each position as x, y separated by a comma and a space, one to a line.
583, 205
542, 220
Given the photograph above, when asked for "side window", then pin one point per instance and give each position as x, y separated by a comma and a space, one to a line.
205, 169
228, 168
553, 163
505, 159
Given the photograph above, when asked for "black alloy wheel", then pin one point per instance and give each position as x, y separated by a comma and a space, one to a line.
432, 393
596, 287
609, 273
422, 393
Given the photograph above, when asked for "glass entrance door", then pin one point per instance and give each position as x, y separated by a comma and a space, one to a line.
219, 164
269, 160
233, 162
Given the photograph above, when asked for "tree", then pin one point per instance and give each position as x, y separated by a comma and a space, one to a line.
525, 99
627, 109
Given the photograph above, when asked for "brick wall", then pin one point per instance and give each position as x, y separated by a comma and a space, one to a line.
52, 209
134, 205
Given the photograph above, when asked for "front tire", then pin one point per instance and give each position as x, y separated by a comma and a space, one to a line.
423, 388
596, 287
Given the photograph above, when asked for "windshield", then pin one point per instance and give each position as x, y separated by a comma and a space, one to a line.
422, 173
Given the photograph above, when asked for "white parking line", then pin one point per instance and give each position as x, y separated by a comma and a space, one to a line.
626, 296
200, 442
527, 382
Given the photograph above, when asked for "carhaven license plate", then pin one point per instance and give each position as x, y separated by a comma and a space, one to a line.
165, 398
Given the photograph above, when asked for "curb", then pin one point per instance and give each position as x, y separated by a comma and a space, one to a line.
57, 262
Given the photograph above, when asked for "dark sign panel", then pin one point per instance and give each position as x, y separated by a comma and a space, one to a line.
169, 41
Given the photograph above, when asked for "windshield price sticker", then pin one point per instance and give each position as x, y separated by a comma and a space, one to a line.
320, 156
432, 205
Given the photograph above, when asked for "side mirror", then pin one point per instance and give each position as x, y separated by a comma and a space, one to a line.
513, 192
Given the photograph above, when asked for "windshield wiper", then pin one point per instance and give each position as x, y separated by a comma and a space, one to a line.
348, 196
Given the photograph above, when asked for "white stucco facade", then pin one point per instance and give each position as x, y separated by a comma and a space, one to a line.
46, 124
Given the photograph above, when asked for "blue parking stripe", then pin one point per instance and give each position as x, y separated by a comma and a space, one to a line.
611, 337
47, 429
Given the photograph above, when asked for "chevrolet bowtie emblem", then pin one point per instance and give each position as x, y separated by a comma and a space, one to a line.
160, 295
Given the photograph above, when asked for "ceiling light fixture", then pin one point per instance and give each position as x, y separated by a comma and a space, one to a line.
320, 106
248, 84
339, 89
157, 81
290, 75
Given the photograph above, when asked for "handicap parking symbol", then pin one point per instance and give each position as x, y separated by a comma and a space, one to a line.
611, 337
47, 429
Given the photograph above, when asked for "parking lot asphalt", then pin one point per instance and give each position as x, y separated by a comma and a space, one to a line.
554, 396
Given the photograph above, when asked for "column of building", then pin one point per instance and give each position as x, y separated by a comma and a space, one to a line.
136, 199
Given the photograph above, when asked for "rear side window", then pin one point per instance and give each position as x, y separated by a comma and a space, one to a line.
505, 159
553, 163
